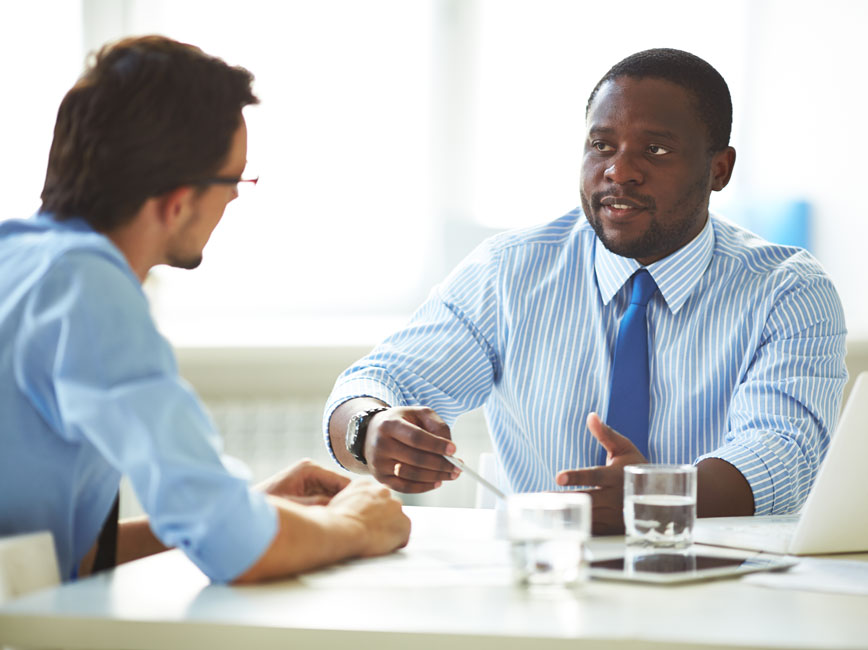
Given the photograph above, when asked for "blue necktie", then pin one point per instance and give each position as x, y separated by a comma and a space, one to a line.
629, 400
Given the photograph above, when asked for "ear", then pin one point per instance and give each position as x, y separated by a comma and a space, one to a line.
173, 207
721, 168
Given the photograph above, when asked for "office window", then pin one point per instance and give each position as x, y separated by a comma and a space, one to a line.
395, 134
537, 63
40, 58
340, 221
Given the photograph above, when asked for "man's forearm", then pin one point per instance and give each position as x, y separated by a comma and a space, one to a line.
137, 540
308, 537
722, 491
338, 430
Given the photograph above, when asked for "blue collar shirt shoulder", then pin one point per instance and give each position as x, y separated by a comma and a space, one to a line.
50, 239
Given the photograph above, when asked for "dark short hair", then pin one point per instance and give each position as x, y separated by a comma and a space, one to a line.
699, 78
148, 115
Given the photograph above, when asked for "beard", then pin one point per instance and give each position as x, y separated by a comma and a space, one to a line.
176, 255
184, 262
666, 232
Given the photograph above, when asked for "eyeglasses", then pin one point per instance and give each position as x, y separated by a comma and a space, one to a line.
225, 180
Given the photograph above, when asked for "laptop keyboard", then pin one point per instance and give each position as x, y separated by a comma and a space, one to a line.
764, 533
770, 527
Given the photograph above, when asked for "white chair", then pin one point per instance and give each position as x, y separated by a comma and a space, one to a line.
27, 562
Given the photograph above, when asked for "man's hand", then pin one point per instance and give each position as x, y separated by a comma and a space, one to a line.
404, 448
379, 524
361, 520
306, 483
607, 513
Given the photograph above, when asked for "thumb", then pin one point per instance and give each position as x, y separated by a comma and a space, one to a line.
325, 482
613, 442
429, 420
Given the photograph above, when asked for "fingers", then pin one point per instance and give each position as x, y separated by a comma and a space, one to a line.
590, 476
607, 510
613, 442
305, 478
321, 481
419, 429
316, 500
407, 486
411, 473
429, 420
607, 482
412, 480
419, 466
384, 526
405, 448
607, 520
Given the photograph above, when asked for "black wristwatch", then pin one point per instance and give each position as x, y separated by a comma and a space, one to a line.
357, 431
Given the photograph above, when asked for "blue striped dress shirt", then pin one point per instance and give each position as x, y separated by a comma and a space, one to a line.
746, 346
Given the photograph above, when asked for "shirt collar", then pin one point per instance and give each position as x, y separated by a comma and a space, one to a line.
676, 275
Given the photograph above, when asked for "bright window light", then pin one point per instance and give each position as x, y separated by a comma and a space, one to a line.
339, 223
40, 58
394, 135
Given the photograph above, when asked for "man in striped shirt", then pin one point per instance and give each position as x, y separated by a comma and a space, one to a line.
745, 338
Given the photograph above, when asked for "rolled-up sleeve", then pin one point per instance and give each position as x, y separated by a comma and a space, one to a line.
783, 412
444, 358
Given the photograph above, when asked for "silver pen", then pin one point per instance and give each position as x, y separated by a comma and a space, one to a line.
464, 468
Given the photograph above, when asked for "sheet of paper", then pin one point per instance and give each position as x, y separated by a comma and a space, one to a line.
818, 574
473, 564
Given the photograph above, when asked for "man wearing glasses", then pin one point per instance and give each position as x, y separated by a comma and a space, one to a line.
150, 146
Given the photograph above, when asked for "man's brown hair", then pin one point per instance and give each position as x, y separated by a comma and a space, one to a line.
148, 115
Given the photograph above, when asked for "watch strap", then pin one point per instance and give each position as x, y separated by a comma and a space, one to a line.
358, 432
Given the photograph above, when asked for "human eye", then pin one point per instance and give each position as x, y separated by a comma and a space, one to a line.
658, 150
602, 147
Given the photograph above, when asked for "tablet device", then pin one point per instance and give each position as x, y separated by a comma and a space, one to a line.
674, 568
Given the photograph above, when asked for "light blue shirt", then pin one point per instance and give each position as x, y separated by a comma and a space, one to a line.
89, 390
746, 346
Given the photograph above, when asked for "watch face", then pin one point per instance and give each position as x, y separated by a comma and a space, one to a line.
353, 430
355, 443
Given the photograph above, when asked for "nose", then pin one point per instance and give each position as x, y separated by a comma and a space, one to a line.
624, 168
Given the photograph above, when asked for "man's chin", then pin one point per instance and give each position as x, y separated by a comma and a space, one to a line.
619, 241
632, 249
188, 263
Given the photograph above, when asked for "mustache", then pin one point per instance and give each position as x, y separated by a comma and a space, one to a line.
646, 201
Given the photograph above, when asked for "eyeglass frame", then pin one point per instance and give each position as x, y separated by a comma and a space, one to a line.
225, 180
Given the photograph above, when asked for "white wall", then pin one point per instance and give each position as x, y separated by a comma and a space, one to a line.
806, 130
795, 70
410, 129
492, 95
40, 58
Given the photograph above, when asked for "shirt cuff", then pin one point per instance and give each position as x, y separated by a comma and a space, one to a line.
765, 473
351, 389
232, 543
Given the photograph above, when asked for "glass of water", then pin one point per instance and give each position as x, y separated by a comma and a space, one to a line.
547, 533
660, 505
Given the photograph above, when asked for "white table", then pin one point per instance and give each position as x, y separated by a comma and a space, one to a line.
448, 589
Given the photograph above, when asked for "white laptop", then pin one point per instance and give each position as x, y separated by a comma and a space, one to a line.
834, 518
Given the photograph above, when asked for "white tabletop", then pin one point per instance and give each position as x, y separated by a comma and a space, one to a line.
450, 588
